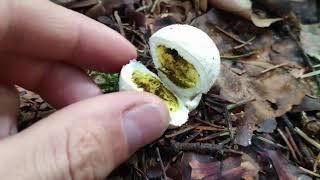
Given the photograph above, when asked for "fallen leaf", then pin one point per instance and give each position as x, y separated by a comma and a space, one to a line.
310, 38
263, 22
306, 10
243, 8
234, 167
307, 104
274, 91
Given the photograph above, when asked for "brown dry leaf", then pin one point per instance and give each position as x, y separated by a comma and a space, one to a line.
275, 92
285, 170
306, 10
310, 37
170, 12
203, 5
106, 7
263, 22
243, 8
237, 167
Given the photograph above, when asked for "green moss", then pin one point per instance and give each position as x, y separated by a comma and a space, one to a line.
177, 69
153, 85
107, 82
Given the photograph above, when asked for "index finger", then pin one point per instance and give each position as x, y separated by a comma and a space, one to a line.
39, 28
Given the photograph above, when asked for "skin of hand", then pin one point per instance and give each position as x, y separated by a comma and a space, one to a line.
44, 48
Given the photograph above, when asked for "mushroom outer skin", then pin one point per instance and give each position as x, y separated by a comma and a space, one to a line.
196, 47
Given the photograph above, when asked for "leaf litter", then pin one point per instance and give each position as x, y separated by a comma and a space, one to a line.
260, 120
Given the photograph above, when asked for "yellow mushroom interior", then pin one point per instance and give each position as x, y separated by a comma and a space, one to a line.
152, 85
176, 68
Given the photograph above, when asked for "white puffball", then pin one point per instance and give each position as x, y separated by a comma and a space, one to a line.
126, 83
197, 48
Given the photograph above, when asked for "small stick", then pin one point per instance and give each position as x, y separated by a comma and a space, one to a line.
215, 135
141, 173
209, 128
230, 35
293, 143
210, 124
294, 155
182, 131
307, 138
231, 107
270, 142
309, 172
239, 56
203, 148
316, 163
306, 153
228, 118
273, 67
161, 164
249, 42
118, 19
156, 2
140, 35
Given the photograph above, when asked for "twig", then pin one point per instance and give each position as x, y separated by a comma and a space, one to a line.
231, 107
306, 153
139, 34
215, 135
192, 137
273, 67
228, 118
203, 148
239, 56
155, 4
306, 58
293, 143
161, 164
316, 66
182, 131
268, 141
309, 172
316, 163
294, 155
218, 109
209, 128
247, 43
141, 173
313, 73
118, 19
230, 35
210, 124
307, 138
226, 115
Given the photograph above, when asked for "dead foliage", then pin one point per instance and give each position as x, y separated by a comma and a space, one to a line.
260, 120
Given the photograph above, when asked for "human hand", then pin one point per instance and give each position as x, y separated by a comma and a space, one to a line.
43, 48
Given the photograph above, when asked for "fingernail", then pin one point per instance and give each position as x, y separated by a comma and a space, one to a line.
143, 124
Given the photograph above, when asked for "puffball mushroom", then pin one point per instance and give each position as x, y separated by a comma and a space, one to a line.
187, 63
187, 60
135, 76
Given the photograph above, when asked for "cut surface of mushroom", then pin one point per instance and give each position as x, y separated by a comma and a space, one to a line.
176, 68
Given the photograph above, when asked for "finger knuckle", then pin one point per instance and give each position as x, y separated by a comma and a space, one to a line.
85, 153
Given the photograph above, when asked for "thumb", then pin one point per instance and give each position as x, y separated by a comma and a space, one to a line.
86, 140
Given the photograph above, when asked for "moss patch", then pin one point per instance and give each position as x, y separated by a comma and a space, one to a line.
152, 85
177, 69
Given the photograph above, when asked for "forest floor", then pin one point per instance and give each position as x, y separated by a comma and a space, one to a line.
261, 119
